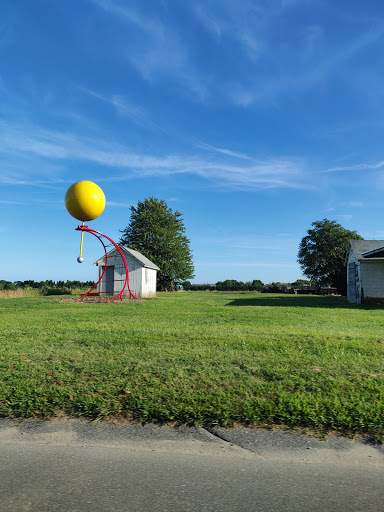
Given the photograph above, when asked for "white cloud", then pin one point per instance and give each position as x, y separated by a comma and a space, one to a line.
357, 167
242, 95
63, 146
345, 218
122, 106
256, 264
259, 242
19, 203
144, 23
18, 181
225, 151
352, 204
237, 22
299, 63
159, 50
263, 175
210, 21
253, 32
120, 205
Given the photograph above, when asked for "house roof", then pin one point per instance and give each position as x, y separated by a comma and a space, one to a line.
145, 262
368, 250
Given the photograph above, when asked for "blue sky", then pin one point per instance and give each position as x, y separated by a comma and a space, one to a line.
253, 118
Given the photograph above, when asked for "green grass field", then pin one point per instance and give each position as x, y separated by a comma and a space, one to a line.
199, 358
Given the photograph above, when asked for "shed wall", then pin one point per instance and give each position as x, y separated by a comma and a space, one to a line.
148, 284
142, 281
372, 279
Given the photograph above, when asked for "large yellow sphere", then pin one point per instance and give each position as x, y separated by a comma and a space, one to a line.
85, 200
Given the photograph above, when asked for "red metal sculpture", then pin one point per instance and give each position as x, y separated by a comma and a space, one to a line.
85, 201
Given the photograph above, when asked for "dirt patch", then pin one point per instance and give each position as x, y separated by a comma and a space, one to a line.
95, 300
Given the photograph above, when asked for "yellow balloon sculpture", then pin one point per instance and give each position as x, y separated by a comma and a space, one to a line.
85, 200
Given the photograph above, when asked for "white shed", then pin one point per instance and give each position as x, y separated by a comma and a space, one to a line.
365, 270
142, 274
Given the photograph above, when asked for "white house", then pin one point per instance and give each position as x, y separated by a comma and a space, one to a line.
142, 274
365, 270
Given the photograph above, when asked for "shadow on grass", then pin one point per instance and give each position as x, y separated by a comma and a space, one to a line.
300, 301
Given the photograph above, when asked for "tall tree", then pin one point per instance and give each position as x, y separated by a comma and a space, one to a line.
159, 234
322, 253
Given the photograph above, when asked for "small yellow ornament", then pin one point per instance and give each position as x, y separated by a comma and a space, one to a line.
85, 200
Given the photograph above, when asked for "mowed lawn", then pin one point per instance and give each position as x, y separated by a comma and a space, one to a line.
203, 358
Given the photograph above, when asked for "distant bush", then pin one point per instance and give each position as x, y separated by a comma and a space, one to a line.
235, 286
56, 291
202, 287
227, 285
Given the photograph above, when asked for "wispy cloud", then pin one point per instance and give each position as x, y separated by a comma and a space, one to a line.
120, 205
296, 78
344, 217
344, 53
124, 108
11, 202
357, 167
253, 31
225, 151
221, 171
273, 173
158, 50
373, 235
299, 63
352, 204
254, 241
126, 13
239, 23
256, 264
244, 95
7, 34
18, 181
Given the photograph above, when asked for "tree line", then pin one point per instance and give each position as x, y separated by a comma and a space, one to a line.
48, 284
55, 287
250, 286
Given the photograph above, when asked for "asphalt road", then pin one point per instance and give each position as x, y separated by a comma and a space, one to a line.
78, 466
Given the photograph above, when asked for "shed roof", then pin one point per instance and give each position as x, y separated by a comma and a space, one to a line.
145, 262
368, 250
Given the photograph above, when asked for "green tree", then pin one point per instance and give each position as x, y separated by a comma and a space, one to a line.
303, 283
322, 253
159, 234
9, 286
257, 285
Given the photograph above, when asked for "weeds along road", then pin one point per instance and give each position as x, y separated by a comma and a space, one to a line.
76, 466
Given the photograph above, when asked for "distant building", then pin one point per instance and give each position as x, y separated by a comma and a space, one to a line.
365, 270
142, 274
